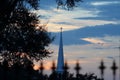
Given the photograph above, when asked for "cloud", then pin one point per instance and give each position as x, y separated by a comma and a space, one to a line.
70, 24
106, 42
107, 33
52, 27
101, 3
94, 40
70, 20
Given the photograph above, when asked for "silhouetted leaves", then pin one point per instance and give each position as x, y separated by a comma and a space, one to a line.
21, 35
67, 4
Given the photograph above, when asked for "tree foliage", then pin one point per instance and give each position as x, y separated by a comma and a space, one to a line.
21, 36
7, 8
67, 4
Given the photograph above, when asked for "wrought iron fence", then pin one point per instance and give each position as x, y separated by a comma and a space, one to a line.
28, 73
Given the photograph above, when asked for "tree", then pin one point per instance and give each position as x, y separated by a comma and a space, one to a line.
7, 8
21, 37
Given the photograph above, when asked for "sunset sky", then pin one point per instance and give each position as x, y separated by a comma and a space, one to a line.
91, 32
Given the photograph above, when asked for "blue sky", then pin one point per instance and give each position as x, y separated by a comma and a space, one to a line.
91, 32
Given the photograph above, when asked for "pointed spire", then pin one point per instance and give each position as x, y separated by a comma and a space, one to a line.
60, 62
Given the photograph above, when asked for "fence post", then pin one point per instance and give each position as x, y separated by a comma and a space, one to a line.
77, 69
66, 73
53, 67
114, 68
102, 67
41, 68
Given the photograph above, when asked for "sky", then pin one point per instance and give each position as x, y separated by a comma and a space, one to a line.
91, 32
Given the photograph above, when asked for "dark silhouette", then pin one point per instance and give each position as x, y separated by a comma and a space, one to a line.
26, 72
21, 37
77, 69
114, 68
22, 40
102, 68
67, 4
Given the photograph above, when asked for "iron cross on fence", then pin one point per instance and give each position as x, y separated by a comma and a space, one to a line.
114, 68
102, 67
77, 68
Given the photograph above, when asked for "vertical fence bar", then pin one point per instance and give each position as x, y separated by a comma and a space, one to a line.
66, 73
41, 68
77, 69
114, 68
53, 67
102, 68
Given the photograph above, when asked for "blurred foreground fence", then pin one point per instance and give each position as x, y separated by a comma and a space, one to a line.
28, 73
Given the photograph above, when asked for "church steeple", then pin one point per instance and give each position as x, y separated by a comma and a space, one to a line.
60, 62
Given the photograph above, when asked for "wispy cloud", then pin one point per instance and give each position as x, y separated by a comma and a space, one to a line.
101, 3
71, 24
93, 40
107, 41
69, 19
